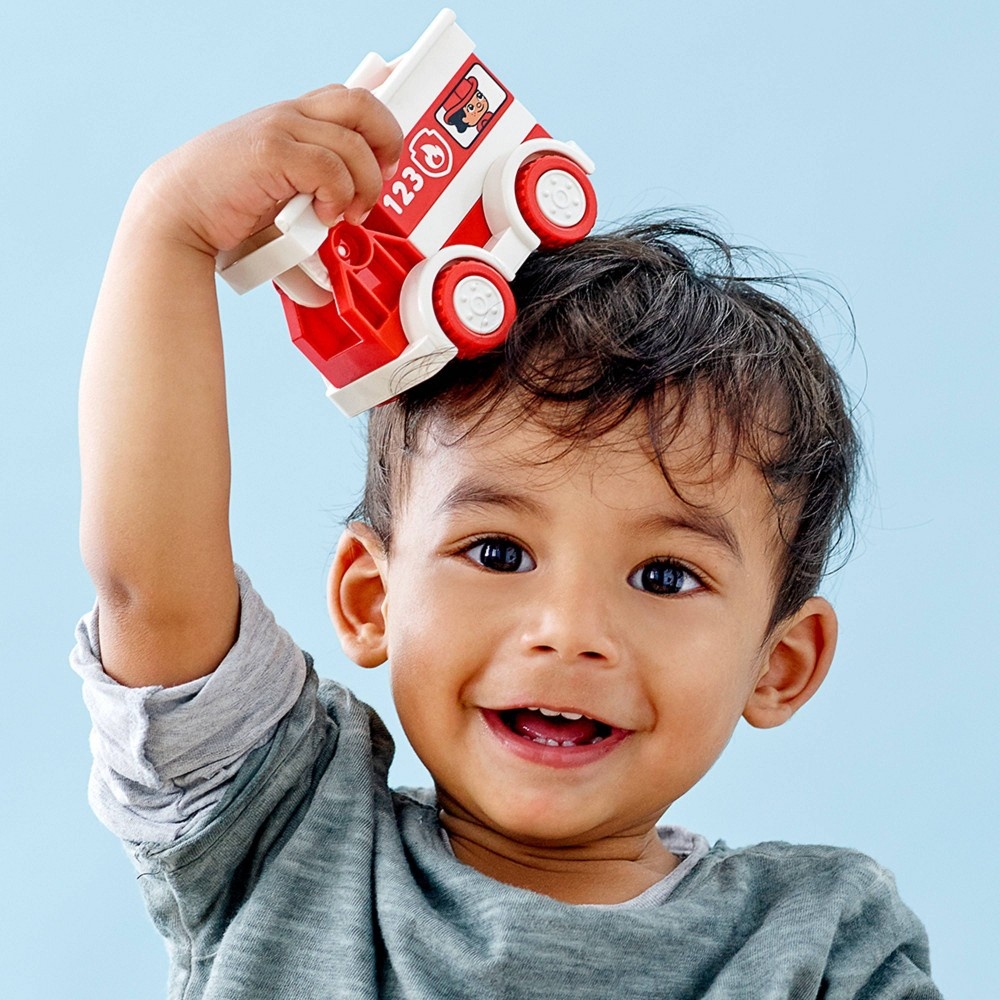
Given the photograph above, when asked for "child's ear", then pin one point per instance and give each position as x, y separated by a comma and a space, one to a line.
357, 594
800, 655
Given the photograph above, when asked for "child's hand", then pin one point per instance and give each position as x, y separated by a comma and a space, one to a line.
227, 184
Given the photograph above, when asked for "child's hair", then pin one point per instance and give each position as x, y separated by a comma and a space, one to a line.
627, 323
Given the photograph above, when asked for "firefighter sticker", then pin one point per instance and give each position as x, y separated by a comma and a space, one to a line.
471, 105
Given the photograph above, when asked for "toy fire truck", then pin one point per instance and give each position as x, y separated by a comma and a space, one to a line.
379, 307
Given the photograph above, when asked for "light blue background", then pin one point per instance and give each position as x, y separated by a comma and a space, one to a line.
856, 140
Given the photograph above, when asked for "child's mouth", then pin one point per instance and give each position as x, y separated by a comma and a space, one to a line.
548, 727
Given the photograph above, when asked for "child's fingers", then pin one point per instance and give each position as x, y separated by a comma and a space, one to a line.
335, 144
357, 109
325, 174
353, 192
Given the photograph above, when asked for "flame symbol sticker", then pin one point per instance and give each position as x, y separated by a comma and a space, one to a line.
434, 156
430, 153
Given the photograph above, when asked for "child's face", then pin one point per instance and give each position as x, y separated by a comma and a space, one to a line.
582, 585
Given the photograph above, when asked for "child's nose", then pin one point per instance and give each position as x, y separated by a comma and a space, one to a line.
574, 623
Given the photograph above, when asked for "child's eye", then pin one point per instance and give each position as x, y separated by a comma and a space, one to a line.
664, 576
500, 555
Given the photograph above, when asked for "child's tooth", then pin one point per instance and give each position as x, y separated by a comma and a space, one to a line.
568, 743
533, 708
539, 739
552, 743
548, 711
571, 715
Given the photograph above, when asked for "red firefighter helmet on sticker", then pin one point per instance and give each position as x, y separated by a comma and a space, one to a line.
464, 89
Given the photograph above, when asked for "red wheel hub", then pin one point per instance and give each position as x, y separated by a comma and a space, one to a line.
474, 305
557, 200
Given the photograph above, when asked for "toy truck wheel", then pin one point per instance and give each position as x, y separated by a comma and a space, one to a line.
556, 199
474, 305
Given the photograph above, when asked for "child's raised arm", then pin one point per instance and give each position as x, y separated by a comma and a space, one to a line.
153, 430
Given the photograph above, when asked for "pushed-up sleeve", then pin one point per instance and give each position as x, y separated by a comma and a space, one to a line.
164, 757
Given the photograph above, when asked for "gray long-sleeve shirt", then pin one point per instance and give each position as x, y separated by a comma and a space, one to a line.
276, 862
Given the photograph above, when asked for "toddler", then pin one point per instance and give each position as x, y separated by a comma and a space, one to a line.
585, 556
